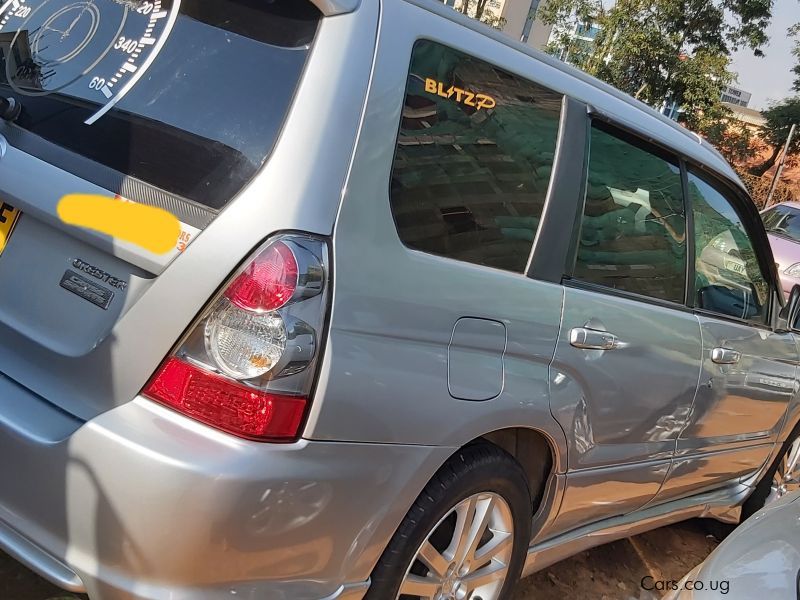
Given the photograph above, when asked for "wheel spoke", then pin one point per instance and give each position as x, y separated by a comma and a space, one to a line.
493, 572
497, 545
433, 559
791, 465
481, 522
422, 587
465, 517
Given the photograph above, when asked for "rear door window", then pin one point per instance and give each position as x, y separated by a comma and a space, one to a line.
474, 159
188, 96
729, 279
633, 232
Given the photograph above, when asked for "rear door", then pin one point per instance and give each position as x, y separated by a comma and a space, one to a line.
628, 356
749, 370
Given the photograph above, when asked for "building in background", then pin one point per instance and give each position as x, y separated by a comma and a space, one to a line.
582, 38
736, 95
750, 117
516, 18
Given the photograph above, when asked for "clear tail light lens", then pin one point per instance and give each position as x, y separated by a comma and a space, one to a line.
245, 345
247, 366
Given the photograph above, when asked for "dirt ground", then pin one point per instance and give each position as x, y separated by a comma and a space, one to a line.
615, 571
611, 572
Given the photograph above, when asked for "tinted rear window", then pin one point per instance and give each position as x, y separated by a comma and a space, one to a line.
474, 159
633, 231
206, 111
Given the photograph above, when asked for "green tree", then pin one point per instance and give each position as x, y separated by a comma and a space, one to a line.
794, 32
568, 16
663, 50
697, 84
780, 118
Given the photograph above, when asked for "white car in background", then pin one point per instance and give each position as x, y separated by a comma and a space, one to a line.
760, 559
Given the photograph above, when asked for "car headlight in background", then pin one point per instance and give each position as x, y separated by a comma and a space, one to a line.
721, 244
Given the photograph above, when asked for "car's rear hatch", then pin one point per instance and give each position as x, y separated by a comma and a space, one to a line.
174, 104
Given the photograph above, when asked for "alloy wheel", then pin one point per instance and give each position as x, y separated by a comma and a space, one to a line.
787, 475
466, 556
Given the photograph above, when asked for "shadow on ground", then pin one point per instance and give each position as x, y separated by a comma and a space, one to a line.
611, 572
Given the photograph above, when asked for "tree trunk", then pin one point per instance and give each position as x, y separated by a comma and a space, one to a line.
479, 8
767, 164
465, 7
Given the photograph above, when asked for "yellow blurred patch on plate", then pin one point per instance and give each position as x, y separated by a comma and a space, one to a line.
8, 218
151, 228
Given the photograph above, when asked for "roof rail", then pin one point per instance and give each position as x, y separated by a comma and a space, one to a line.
336, 7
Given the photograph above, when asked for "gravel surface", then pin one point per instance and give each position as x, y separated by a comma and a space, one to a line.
610, 572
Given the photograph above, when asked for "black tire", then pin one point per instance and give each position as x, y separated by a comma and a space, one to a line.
472, 470
758, 498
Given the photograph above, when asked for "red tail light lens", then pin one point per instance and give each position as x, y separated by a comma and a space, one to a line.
268, 283
218, 401
247, 366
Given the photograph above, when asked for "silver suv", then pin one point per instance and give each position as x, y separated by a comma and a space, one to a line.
442, 311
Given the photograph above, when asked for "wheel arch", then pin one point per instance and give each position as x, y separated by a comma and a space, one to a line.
533, 450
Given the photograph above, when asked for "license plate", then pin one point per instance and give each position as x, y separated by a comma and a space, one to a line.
8, 218
735, 267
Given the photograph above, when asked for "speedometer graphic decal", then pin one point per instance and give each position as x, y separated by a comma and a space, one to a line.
106, 46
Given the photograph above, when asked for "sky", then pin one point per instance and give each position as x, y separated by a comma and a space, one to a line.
770, 78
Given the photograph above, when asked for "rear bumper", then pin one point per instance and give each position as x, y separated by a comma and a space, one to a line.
143, 503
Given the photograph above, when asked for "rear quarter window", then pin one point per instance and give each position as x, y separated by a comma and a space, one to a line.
474, 158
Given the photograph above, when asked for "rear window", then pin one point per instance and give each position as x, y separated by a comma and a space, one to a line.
185, 95
474, 159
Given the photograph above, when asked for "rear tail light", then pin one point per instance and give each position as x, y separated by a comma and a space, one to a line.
268, 282
247, 365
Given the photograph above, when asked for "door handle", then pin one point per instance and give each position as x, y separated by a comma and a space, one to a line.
592, 339
725, 356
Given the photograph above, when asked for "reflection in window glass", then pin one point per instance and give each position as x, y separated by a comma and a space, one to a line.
474, 159
205, 117
729, 278
633, 229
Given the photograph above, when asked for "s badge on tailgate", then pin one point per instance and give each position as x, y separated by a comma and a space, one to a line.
86, 289
82, 286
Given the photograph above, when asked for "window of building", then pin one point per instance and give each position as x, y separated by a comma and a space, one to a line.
729, 280
474, 158
633, 232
